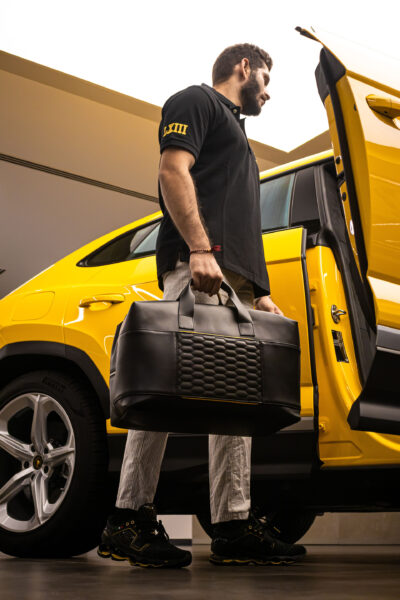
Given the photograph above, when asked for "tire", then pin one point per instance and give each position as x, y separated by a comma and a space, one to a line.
288, 525
53, 466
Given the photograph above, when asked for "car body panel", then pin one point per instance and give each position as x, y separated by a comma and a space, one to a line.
361, 62
283, 250
42, 318
362, 101
338, 382
388, 308
92, 327
373, 141
376, 144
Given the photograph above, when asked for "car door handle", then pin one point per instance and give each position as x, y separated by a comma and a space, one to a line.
111, 298
388, 107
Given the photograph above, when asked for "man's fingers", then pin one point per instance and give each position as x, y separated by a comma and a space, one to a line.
196, 281
212, 286
206, 283
203, 284
216, 286
206, 274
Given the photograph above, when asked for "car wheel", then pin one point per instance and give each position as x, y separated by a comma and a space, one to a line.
288, 526
53, 466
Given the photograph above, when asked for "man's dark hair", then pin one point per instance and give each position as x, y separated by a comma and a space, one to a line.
231, 56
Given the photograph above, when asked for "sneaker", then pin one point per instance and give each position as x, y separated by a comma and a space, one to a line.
250, 542
138, 537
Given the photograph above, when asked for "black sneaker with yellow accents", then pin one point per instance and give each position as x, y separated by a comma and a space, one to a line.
246, 542
138, 537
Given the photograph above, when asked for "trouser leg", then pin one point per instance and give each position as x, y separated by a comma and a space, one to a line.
144, 451
229, 469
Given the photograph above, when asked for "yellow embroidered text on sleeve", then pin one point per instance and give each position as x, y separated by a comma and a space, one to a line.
175, 128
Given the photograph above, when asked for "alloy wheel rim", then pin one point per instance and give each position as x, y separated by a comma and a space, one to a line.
39, 462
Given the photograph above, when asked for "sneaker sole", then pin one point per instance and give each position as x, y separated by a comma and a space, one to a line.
107, 552
168, 565
274, 560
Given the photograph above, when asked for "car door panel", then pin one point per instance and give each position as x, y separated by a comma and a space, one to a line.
339, 384
366, 144
354, 84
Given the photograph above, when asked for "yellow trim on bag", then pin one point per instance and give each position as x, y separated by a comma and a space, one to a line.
235, 337
218, 400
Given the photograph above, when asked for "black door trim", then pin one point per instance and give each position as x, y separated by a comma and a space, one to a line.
378, 406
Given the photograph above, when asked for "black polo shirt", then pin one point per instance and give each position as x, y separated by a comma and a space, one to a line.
204, 122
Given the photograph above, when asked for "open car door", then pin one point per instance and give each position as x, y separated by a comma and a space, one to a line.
361, 94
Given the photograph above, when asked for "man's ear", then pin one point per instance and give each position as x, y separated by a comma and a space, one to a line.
242, 69
245, 68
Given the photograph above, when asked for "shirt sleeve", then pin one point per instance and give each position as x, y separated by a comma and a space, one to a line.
186, 118
260, 292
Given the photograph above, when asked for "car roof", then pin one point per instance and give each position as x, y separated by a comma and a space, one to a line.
297, 164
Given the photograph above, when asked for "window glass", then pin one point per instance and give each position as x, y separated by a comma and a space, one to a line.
147, 245
126, 247
275, 202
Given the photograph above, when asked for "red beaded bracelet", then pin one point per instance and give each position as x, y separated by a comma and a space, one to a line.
216, 248
203, 251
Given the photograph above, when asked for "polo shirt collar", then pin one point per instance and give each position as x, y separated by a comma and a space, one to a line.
233, 107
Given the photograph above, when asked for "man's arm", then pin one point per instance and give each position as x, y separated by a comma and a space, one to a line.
179, 195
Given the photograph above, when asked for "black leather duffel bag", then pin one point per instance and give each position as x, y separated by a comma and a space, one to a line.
182, 367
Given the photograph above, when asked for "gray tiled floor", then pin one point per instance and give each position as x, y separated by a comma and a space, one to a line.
350, 572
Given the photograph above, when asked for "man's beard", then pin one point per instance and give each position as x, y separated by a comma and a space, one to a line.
248, 97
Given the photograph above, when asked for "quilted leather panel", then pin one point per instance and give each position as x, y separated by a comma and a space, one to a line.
219, 367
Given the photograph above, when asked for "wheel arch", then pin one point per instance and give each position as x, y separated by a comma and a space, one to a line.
20, 357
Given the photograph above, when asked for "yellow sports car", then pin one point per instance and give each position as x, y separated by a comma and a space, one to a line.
331, 233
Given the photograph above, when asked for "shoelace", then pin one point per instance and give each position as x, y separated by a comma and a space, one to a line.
155, 528
261, 523
256, 526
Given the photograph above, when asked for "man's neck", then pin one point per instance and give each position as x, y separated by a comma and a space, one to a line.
229, 90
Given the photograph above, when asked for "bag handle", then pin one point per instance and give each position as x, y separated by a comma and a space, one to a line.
186, 309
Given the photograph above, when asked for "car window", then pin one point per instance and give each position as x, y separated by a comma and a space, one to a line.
130, 245
275, 196
275, 203
146, 245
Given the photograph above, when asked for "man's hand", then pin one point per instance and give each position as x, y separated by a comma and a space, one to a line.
206, 273
265, 303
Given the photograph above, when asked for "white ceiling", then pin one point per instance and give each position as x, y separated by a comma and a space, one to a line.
151, 49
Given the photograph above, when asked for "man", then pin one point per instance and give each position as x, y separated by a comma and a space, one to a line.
211, 229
